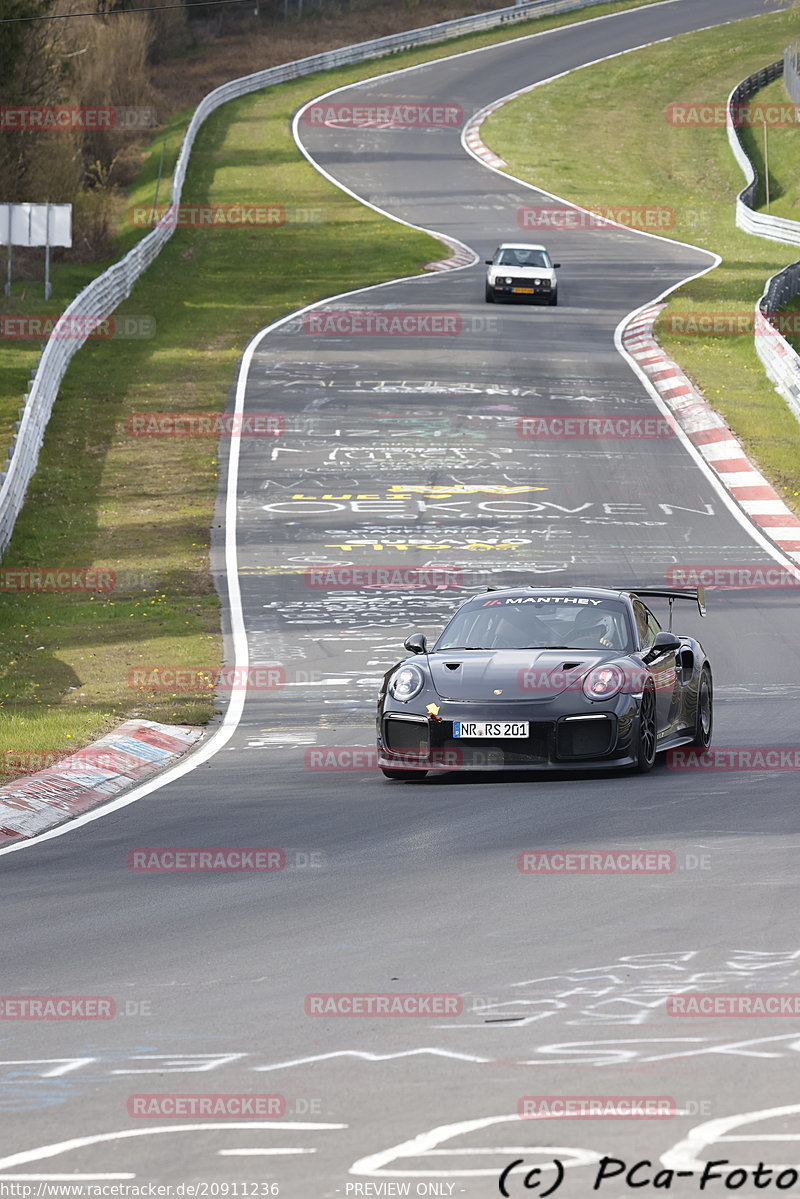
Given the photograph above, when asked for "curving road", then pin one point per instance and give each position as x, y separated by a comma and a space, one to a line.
402, 451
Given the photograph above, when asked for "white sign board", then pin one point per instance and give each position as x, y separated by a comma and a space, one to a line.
35, 224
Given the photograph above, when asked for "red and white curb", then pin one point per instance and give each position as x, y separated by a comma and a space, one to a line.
472, 134
711, 436
461, 256
132, 753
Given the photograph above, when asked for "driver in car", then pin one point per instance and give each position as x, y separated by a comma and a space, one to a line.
593, 629
519, 628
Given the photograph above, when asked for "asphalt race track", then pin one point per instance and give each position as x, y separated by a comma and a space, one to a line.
402, 451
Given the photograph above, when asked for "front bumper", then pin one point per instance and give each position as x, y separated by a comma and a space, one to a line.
530, 290
562, 737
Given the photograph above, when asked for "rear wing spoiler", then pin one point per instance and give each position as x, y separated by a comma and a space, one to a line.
697, 594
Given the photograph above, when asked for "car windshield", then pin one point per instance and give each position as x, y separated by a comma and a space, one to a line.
521, 257
540, 622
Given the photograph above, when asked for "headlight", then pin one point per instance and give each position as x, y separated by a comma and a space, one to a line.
406, 682
508, 280
603, 682
537, 281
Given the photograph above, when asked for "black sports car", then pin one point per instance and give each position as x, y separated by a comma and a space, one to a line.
527, 678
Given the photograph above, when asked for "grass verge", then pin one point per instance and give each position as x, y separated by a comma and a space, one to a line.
102, 498
601, 137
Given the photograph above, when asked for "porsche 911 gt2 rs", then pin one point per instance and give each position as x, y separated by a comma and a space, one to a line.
532, 678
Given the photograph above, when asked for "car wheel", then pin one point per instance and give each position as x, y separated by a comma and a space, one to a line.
489, 295
704, 716
404, 775
646, 751
553, 299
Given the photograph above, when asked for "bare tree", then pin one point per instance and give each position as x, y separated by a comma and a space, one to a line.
34, 71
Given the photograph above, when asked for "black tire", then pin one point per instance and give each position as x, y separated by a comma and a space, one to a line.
489, 295
704, 716
404, 775
553, 299
648, 732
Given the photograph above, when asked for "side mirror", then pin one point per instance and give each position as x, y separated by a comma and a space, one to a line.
663, 644
489, 261
556, 265
416, 643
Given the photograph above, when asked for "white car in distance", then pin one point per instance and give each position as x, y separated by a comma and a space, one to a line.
524, 270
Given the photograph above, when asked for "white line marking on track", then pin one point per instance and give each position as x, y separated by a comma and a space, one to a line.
261, 1152
365, 1056
46, 1151
685, 1155
767, 1136
424, 1145
66, 1064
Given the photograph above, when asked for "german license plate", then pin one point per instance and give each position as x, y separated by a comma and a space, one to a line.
486, 728
523, 291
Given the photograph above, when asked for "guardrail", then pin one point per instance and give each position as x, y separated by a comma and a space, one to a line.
780, 361
760, 224
108, 290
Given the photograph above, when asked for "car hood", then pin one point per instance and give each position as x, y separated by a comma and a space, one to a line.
500, 676
522, 272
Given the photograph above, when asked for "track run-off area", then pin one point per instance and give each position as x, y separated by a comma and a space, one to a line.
400, 449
